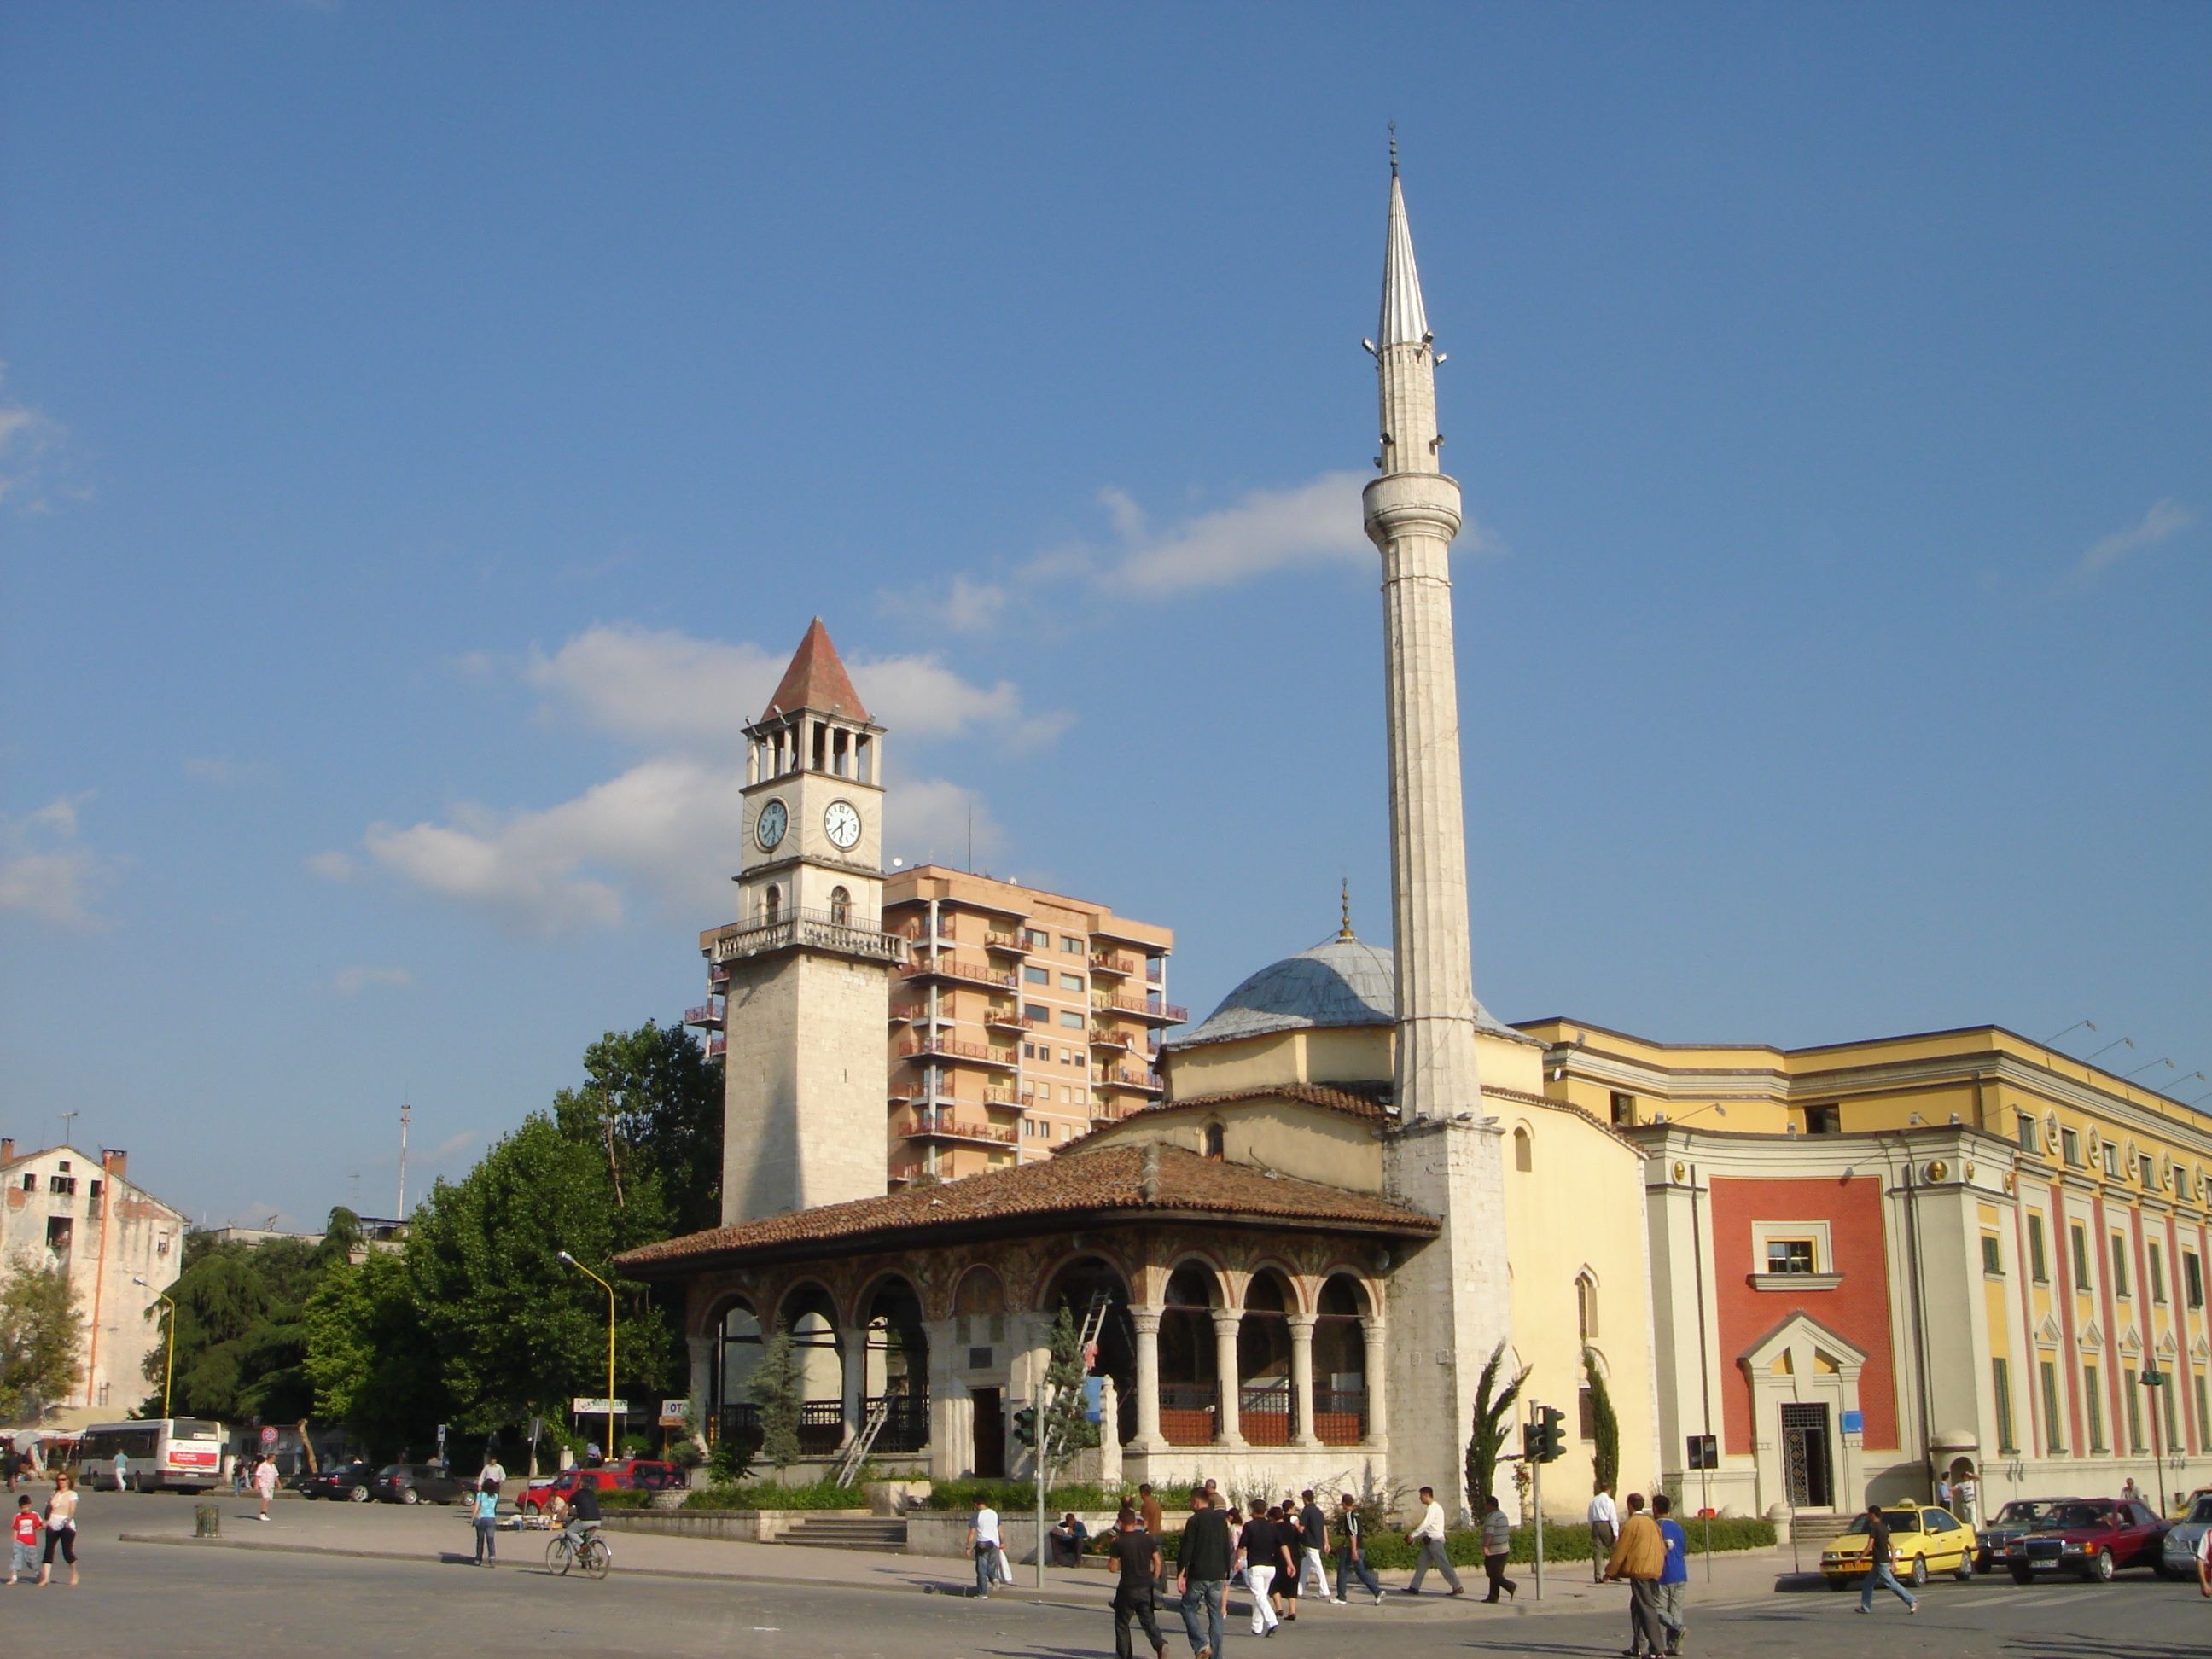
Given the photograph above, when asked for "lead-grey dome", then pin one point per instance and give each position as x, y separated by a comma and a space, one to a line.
1341, 982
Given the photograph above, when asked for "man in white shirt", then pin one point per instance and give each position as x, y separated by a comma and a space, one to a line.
1428, 1539
1605, 1527
983, 1544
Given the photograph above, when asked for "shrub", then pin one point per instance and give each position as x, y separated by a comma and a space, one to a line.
767, 1495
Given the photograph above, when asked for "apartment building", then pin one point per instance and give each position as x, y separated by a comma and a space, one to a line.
1021, 1019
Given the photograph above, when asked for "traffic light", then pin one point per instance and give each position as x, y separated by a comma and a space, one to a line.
1025, 1426
1532, 1443
1551, 1434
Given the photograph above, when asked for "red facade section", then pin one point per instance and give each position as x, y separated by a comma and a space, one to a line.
1857, 1309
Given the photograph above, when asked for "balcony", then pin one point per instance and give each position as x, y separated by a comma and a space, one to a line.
905, 1170
1120, 967
717, 1046
1010, 1019
717, 978
919, 933
1103, 1037
904, 1013
1012, 1100
708, 1015
974, 973
943, 1125
1008, 939
813, 930
1145, 1008
1126, 1077
922, 1098
937, 1046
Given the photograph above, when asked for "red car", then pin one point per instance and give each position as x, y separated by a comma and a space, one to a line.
2095, 1537
539, 1496
652, 1473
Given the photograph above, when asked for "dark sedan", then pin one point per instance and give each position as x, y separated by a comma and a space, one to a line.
349, 1481
2009, 1522
416, 1483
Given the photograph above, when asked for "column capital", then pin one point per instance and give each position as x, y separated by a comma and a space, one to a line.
1372, 1327
1147, 1320
1302, 1324
1227, 1322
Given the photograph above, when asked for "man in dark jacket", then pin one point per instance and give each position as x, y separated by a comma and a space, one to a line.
1205, 1561
1313, 1554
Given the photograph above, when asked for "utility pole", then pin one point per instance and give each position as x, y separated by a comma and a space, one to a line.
406, 1110
1043, 1397
1536, 1500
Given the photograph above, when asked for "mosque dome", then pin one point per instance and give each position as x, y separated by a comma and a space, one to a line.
1342, 982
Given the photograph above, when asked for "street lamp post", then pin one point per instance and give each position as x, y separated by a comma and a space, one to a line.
169, 1364
613, 1450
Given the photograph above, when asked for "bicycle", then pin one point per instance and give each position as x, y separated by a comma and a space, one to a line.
591, 1556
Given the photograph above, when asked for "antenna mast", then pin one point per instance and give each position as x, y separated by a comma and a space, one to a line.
405, 1112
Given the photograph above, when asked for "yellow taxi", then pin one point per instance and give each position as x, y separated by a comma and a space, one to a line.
1921, 1541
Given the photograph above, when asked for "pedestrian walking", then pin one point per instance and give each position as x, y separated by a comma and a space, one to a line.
1313, 1546
1497, 1547
121, 1471
1880, 1570
1639, 1556
1149, 1512
1290, 1528
1204, 1563
61, 1527
983, 1544
1136, 1557
1674, 1576
1428, 1538
265, 1482
485, 1503
1261, 1544
23, 1530
1605, 1526
1351, 1550
493, 1470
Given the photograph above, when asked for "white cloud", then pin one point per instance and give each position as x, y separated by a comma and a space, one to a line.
33, 457
352, 981
964, 605
45, 874
332, 866
2165, 519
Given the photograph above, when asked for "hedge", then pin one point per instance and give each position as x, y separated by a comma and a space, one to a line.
626, 1498
769, 1495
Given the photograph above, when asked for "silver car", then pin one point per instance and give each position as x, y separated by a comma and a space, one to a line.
2179, 1560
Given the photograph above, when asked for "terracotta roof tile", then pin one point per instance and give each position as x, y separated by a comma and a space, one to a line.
1103, 1181
1313, 1094
816, 679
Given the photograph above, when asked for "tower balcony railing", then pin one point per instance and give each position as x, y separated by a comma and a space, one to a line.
1148, 1008
944, 1126
1126, 1077
1108, 961
818, 930
937, 1046
707, 1014
974, 973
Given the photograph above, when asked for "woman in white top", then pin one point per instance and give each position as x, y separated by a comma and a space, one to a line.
61, 1527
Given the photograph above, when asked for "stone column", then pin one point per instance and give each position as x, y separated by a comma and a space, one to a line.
1301, 1383
1378, 1394
701, 1350
1109, 1435
1226, 1323
1148, 1320
855, 1358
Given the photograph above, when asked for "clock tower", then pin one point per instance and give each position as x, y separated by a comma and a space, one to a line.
805, 970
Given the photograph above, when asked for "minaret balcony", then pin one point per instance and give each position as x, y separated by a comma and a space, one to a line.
707, 1015
974, 973
829, 931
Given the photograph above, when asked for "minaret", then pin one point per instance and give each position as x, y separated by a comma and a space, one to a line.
1450, 1302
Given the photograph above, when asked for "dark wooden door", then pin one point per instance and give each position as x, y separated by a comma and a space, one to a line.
990, 1434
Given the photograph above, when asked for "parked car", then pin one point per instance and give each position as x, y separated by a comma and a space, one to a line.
538, 1496
2095, 1537
652, 1474
1921, 1542
2186, 1505
2178, 1550
2009, 1522
416, 1483
349, 1481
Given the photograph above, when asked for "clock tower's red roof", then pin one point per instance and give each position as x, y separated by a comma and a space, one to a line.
817, 679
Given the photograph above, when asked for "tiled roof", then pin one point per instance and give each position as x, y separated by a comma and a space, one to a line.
1313, 1094
1093, 1184
817, 679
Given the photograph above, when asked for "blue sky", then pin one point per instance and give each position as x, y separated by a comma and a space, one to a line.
425, 430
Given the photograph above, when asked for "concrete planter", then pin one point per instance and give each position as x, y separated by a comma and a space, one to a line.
734, 1526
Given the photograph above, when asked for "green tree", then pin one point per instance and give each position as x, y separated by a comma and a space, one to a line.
1605, 1424
240, 1345
369, 1353
1493, 1422
773, 1388
515, 1330
1066, 1429
41, 1337
652, 1101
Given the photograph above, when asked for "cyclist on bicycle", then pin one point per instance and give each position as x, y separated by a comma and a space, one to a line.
582, 1519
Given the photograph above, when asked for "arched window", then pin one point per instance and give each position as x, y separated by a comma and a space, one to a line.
1586, 1307
774, 905
840, 907
1524, 1150
1213, 1140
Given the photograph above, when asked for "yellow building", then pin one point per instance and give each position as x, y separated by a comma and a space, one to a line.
1952, 1252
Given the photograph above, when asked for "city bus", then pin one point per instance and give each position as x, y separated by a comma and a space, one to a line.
174, 1453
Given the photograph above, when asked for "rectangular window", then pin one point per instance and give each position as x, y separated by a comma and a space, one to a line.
2096, 1410
1992, 1256
2157, 1267
2038, 1268
1824, 1120
1790, 1255
2192, 1277
2081, 1260
2149, 1173
65, 1185
1071, 1018
2001, 1383
1036, 1011
1070, 982
2112, 1162
2070, 1147
1624, 1110
60, 1229
1037, 975
2024, 1131
1586, 1412
2119, 1264
2052, 1440
1035, 940
2132, 1393
1072, 946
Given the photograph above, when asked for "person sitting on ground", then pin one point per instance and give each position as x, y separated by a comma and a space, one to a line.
1067, 1541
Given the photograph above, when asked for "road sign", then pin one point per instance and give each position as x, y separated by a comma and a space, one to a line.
269, 1435
583, 1407
1704, 1451
1854, 1422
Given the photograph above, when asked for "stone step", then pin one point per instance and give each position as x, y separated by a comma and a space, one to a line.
877, 1537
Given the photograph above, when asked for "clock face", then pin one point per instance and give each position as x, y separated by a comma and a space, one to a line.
842, 823
768, 829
